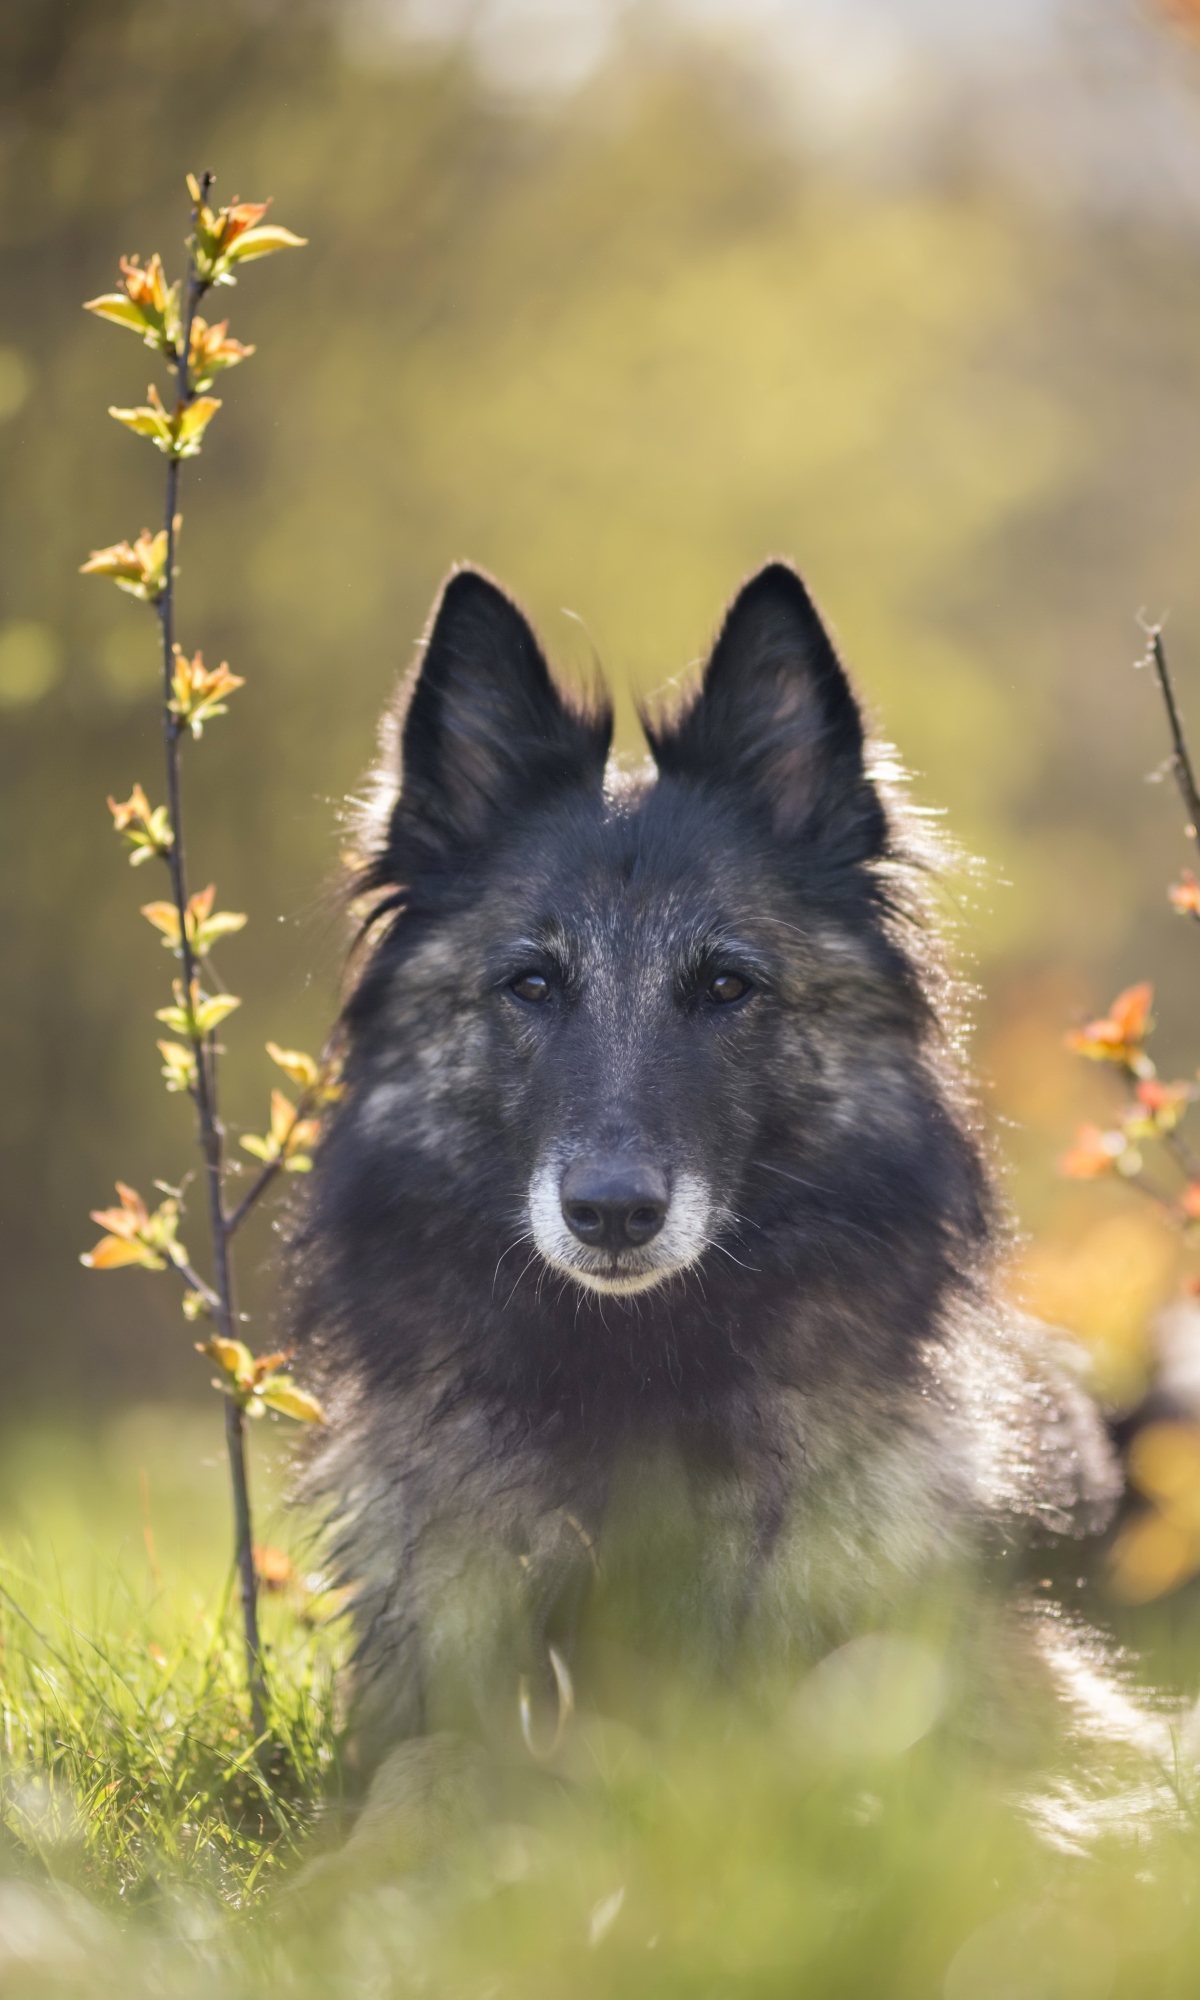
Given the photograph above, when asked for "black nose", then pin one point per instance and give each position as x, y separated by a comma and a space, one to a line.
610, 1204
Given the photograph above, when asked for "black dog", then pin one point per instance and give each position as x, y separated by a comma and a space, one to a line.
647, 1257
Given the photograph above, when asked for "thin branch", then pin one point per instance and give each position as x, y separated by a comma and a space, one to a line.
1181, 762
306, 1104
1183, 1154
254, 1193
203, 1049
196, 1282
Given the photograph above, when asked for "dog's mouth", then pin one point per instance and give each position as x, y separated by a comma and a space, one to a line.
678, 1236
615, 1274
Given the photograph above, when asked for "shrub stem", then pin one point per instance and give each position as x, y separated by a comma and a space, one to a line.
204, 1049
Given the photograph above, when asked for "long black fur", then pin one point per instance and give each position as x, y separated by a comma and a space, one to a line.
828, 1401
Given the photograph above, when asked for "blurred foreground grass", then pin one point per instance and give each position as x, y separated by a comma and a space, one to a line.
851, 1845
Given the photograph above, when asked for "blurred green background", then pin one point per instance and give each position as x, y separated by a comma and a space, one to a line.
616, 302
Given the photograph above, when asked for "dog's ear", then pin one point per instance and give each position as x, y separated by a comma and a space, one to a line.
776, 719
486, 732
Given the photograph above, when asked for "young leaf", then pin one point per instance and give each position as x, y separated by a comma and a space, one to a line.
1093, 1154
231, 1355
1119, 1036
300, 1068
196, 1015
211, 1013
1185, 895
137, 567
204, 926
147, 831
165, 918
179, 1066
148, 305
225, 236
135, 1236
212, 349
263, 243
279, 1392
192, 422
180, 433
198, 692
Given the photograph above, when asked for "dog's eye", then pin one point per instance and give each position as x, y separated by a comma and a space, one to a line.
726, 988
531, 986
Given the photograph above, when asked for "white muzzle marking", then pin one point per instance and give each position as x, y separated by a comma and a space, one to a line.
679, 1243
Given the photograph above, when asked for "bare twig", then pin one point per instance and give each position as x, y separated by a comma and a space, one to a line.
254, 1192
1181, 762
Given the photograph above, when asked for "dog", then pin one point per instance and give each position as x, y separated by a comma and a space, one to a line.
647, 1263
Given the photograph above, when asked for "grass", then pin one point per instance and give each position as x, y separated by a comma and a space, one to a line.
145, 1849
128, 1768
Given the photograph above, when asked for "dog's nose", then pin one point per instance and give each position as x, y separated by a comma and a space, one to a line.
613, 1204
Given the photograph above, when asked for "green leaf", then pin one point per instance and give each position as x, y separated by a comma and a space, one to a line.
262, 243
192, 423
211, 1013
279, 1392
122, 311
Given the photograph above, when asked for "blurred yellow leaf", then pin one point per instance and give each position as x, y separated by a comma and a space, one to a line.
283, 1116
226, 236
178, 433
1119, 1036
165, 918
279, 1392
198, 692
1185, 895
147, 830
198, 1014
147, 305
210, 1013
212, 349
1106, 1288
262, 1149
203, 927
1157, 1110
135, 1236
179, 1066
113, 1251
1094, 1153
1164, 1464
299, 1067
1151, 1556
1160, 1548
233, 1356
262, 243
137, 567
273, 1568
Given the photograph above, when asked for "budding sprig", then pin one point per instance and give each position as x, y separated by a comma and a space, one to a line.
1153, 1110
295, 1126
165, 316
146, 828
198, 692
137, 567
257, 1383
1158, 1545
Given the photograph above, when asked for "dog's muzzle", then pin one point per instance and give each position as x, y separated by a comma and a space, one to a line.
614, 1222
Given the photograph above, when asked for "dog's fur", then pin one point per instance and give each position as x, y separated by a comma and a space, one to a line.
753, 1432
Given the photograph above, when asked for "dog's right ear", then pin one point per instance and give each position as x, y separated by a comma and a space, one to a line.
485, 733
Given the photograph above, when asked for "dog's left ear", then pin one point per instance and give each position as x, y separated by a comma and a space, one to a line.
776, 720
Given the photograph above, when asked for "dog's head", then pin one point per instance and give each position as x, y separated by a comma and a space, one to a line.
619, 1031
